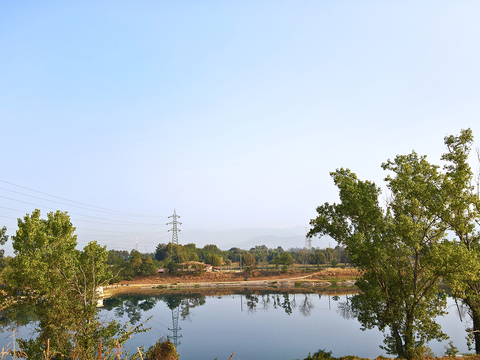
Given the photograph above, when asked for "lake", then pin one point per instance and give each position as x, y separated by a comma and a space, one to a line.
256, 325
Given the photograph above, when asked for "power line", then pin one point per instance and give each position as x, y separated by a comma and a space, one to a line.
73, 201
148, 230
72, 213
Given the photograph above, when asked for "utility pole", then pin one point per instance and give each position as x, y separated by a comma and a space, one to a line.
136, 243
174, 229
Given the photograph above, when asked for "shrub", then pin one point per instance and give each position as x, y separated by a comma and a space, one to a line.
451, 350
320, 355
162, 350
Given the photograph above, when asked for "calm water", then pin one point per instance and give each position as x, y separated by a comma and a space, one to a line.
268, 326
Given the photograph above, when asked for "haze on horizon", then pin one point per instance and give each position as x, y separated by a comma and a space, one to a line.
232, 113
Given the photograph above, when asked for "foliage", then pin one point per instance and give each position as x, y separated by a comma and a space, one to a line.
3, 240
214, 260
399, 249
320, 355
62, 283
248, 260
172, 266
162, 350
461, 213
451, 350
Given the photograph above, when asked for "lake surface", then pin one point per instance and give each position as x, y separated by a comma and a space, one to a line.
255, 325
268, 326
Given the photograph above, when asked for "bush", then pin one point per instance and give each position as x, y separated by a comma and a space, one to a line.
162, 350
320, 355
451, 350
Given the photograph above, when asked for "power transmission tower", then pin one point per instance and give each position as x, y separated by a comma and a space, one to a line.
174, 229
308, 241
175, 329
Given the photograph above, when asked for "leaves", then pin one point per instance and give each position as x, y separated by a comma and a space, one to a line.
62, 283
400, 247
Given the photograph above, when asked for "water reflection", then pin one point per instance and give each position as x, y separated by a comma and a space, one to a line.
345, 308
15, 316
263, 312
132, 306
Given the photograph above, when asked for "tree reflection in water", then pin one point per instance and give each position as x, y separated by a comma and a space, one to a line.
279, 301
306, 306
130, 305
133, 306
345, 309
15, 316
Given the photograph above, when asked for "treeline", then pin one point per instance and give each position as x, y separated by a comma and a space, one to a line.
170, 256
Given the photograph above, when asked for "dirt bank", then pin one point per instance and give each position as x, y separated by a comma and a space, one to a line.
327, 278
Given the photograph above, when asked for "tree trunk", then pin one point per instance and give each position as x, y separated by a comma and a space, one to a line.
476, 329
475, 313
409, 339
398, 342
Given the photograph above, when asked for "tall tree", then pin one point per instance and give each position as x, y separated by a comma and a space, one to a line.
61, 282
396, 247
42, 248
461, 212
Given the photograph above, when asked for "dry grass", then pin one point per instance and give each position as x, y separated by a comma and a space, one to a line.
336, 273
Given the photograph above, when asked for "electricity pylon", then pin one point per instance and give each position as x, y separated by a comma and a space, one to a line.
308, 240
175, 329
174, 229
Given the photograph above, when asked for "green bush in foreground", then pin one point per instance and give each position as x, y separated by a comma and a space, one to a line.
320, 355
162, 350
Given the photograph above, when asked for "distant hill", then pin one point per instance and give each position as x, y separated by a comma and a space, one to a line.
249, 237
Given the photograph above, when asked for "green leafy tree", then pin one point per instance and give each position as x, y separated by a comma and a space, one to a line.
61, 282
163, 251
44, 249
461, 212
148, 267
286, 259
172, 266
249, 260
214, 260
318, 257
276, 261
303, 256
398, 248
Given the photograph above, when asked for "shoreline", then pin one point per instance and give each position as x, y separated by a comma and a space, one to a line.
314, 282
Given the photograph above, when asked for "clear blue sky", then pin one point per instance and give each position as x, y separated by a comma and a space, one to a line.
232, 112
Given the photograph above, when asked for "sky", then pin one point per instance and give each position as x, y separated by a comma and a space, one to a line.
233, 113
